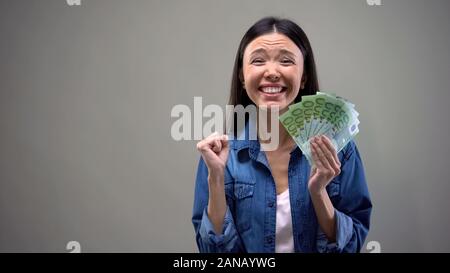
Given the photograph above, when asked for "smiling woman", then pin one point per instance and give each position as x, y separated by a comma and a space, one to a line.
248, 199
272, 67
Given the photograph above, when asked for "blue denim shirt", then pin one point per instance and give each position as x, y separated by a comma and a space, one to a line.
250, 220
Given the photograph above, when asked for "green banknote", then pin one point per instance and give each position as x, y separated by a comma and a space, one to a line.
321, 114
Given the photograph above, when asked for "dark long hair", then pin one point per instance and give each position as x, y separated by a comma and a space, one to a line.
238, 95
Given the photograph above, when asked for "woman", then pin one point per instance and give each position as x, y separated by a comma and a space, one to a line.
250, 200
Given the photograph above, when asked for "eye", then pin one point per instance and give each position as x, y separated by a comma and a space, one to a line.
257, 61
287, 61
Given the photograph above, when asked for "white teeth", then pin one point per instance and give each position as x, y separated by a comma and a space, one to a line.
271, 89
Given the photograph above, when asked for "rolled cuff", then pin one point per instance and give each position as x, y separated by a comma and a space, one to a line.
224, 242
344, 231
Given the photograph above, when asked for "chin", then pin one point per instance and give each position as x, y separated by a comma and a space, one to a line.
273, 104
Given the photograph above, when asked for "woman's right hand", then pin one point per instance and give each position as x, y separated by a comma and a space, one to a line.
214, 150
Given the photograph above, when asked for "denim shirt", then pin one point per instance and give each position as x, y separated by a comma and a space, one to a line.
250, 219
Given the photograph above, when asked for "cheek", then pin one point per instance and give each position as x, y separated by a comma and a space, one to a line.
253, 77
294, 76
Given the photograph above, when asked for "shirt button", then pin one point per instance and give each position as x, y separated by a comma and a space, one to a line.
270, 204
269, 239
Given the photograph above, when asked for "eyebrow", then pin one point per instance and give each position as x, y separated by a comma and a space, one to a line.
282, 51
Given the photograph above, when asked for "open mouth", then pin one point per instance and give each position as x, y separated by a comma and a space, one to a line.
272, 89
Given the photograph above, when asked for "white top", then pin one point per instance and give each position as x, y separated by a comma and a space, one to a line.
284, 240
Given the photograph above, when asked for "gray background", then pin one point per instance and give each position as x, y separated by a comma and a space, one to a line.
86, 93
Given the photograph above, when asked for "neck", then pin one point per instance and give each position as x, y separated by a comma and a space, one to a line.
285, 140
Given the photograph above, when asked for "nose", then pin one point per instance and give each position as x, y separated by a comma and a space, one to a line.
272, 73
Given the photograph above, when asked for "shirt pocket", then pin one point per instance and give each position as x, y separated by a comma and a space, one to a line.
243, 195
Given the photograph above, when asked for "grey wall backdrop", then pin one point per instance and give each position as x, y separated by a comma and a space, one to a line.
86, 94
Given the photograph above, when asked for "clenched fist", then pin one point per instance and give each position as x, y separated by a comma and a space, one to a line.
214, 150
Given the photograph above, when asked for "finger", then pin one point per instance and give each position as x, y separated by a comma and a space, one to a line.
330, 156
330, 159
207, 143
214, 142
201, 145
216, 145
321, 156
224, 140
330, 146
317, 162
326, 151
208, 155
221, 141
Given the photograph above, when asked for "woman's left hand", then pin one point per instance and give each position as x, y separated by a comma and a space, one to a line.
326, 164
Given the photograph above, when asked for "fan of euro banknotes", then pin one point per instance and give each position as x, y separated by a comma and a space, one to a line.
321, 114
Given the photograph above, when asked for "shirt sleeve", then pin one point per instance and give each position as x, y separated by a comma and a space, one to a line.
207, 240
352, 205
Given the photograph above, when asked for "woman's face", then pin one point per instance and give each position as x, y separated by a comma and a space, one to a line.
272, 70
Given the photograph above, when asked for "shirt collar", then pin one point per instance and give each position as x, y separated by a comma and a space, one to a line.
243, 140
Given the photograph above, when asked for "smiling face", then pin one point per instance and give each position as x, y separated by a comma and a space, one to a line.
272, 70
